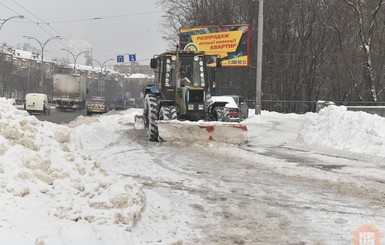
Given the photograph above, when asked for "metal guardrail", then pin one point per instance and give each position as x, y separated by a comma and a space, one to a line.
377, 108
300, 107
285, 106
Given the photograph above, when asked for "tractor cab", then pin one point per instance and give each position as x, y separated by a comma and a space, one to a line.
181, 78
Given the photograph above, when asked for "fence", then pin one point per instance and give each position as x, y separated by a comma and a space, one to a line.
285, 106
301, 107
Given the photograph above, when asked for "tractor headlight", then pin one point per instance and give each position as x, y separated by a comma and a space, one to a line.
190, 107
200, 107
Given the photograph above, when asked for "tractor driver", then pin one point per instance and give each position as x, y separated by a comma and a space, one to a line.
185, 74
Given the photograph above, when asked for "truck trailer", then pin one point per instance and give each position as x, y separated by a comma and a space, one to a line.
69, 91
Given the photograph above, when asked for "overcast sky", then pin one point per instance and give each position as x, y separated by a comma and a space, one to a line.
109, 27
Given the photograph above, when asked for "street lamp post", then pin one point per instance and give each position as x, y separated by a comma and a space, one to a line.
75, 56
102, 64
258, 103
28, 68
12, 17
42, 46
101, 74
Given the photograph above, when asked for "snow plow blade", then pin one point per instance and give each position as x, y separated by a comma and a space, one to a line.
202, 132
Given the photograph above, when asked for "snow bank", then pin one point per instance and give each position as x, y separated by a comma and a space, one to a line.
268, 116
42, 164
336, 127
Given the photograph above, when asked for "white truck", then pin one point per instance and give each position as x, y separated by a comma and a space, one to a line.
69, 91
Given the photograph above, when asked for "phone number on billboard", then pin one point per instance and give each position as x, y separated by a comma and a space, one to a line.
237, 62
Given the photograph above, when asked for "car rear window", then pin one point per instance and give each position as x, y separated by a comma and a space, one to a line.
236, 99
95, 101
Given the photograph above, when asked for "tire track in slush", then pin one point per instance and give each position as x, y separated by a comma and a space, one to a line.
238, 201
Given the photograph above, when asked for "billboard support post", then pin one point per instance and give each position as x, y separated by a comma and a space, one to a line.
259, 61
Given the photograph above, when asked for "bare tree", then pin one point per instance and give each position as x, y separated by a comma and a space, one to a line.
328, 49
366, 21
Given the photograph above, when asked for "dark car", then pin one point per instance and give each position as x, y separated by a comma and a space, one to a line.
120, 105
242, 105
96, 105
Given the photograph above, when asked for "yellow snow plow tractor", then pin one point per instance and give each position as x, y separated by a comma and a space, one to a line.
175, 107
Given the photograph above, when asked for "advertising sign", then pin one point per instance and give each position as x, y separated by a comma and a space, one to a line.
231, 43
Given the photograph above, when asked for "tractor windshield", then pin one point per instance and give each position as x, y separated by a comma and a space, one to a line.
192, 72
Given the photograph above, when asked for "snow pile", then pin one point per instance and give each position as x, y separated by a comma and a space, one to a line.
98, 132
267, 117
43, 164
280, 116
336, 127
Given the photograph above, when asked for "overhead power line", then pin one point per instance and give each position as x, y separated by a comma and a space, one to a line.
41, 27
25, 17
27, 10
8, 8
100, 18
42, 23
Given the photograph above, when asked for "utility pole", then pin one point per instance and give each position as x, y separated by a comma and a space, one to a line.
258, 102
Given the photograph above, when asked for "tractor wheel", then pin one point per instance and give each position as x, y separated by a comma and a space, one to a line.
222, 114
167, 113
150, 115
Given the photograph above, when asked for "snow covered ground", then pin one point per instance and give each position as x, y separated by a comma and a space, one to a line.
302, 179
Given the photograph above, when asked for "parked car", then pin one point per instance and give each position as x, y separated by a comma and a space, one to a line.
132, 104
96, 105
37, 103
242, 105
120, 104
231, 106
